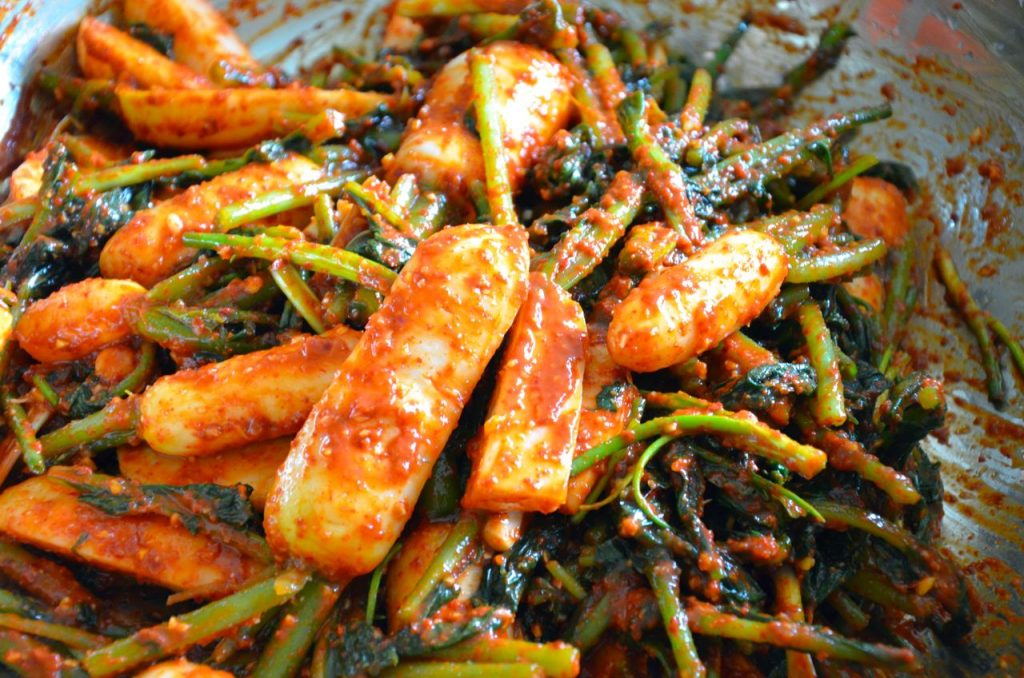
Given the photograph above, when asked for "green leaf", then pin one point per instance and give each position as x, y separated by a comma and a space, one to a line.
611, 396
764, 385
218, 503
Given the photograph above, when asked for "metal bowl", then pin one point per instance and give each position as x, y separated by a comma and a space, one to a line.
955, 73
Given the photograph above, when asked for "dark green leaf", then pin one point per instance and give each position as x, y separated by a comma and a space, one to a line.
161, 42
764, 386
611, 396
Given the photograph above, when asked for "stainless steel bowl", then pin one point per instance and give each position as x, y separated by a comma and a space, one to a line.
955, 72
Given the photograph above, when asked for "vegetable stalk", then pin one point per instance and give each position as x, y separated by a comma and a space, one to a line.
449, 557
488, 121
698, 99
462, 670
17, 211
128, 175
587, 243
828, 406
76, 639
193, 627
114, 425
789, 603
664, 577
707, 620
290, 282
665, 177
300, 622
740, 430
19, 424
321, 258
836, 264
274, 202
558, 660
736, 176
976, 320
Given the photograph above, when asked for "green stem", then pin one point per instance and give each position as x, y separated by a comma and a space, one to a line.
846, 454
274, 202
86, 94
666, 178
440, 497
415, 9
205, 329
636, 50
129, 175
709, 621
45, 579
452, 553
189, 282
56, 169
872, 586
460, 670
738, 175
114, 425
592, 624
319, 663
828, 406
854, 169
711, 146
558, 660
21, 427
583, 247
897, 306
976, 321
794, 504
698, 100
826, 53
664, 578
716, 66
743, 431
290, 282
591, 502
371, 204
138, 376
1004, 335
566, 579
797, 230
673, 91
315, 257
789, 603
846, 607
606, 74
193, 627
836, 264
871, 523
375, 579
404, 193
491, 25
300, 622
676, 401
786, 303
591, 110
637, 475
45, 390
75, 639
15, 212
20, 605
489, 124
323, 212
